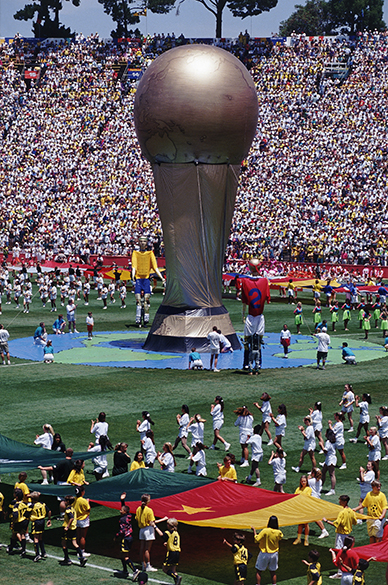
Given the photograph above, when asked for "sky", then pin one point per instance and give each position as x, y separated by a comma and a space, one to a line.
193, 21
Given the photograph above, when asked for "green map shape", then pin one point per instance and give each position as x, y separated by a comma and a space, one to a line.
94, 352
308, 350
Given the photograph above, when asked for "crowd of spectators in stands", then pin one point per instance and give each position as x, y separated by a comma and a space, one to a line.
314, 186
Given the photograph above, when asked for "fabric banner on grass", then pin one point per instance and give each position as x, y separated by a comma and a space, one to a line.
15, 456
203, 502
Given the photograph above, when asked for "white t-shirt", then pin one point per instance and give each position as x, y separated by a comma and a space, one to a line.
183, 422
279, 469
100, 428
4, 336
257, 447
168, 461
281, 424
197, 431
143, 428
316, 487
214, 339
316, 417
200, 460
383, 427
149, 448
245, 424
218, 417
323, 341
265, 410
45, 440
309, 442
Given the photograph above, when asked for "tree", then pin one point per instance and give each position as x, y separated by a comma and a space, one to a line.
319, 17
239, 8
45, 25
311, 19
351, 16
126, 12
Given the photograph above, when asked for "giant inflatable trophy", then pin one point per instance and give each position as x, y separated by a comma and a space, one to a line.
195, 118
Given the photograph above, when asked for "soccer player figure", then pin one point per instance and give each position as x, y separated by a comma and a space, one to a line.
143, 262
241, 557
70, 532
173, 544
314, 568
39, 511
19, 518
254, 293
125, 533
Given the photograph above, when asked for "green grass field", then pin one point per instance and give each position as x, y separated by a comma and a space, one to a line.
68, 396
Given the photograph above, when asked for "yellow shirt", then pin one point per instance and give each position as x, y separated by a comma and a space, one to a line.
375, 504
76, 477
173, 541
345, 521
306, 491
68, 513
82, 508
268, 540
142, 262
144, 516
1, 502
228, 472
136, 465
21, 485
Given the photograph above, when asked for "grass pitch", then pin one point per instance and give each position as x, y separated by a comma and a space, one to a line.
68, 396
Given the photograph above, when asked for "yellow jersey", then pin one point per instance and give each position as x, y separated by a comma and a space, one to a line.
38, 511
144, 516
82, 508
228, 472
21, 485
345, 521
240, 554
268, 539
136, 465
375, 504
70, 514
173, 541
143, 262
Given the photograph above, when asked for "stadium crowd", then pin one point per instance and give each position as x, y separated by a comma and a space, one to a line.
73, 181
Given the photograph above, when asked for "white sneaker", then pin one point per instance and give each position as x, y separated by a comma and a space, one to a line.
270, 442
189, 470
331, 493
227, 446
245, 464
351, 430
85, 554
45, 482
215, 370
321, 452
383, 459
150, 569
324, 533
296, 469
257, 483
212, 447
353, 440
343, 466
336, 576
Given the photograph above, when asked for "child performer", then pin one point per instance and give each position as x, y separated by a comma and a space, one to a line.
298, 317
39, 511
125, 533
314, 576
285, 340
257, 456
90, 324
241, 557
334, 314
173, 544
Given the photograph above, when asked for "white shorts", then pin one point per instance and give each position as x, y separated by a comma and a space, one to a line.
244, 438
339, 540
350, 359
373, 526
214, 351
348, 408
267, 560
83, 523
254, 325
147, 533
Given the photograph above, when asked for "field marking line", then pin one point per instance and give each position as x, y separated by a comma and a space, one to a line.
92, 566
